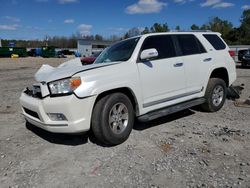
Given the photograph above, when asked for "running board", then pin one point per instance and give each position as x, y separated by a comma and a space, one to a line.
170, 109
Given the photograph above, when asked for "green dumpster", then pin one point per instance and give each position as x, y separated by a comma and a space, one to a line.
8, 51
48, 51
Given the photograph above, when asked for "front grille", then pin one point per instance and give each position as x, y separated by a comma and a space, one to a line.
31, 113
34, 92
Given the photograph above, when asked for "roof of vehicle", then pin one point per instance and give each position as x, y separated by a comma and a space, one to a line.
173, 32
182, 32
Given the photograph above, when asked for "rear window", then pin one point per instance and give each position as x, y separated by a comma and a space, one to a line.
215, 41
190, 45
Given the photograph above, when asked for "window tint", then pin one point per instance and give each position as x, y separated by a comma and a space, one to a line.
216, 42
162, 43
190, 45
120, 51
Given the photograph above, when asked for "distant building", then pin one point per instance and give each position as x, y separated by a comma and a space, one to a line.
88, 47
0, 42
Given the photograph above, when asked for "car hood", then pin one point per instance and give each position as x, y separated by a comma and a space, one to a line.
48, 73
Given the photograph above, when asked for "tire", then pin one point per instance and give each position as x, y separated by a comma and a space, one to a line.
215, 95
113, 119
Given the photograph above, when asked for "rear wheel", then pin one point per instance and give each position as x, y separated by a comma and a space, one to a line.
113, 119
215, 95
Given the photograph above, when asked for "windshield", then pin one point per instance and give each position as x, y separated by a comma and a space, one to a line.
120, 51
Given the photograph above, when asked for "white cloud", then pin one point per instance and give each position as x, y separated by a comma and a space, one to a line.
183, 1
9, 27
117, 30
216, 4
84, 29
209, 3
145, 7
223, 5
67, 1
69, 21
12, 19
245, 7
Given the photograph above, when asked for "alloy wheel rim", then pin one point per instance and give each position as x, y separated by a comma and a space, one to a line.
118, 118
217, 95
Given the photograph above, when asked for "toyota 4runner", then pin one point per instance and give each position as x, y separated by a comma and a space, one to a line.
144, 77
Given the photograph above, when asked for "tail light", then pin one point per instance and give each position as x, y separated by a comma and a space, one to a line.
232, 53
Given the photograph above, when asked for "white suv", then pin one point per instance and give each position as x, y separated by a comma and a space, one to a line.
146, 77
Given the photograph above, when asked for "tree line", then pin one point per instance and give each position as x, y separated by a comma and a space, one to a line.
232, 35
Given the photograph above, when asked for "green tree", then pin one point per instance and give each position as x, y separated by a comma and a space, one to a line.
221, 26
195, 27
145, 31
177, 28
133, 32
159, 28
244, 29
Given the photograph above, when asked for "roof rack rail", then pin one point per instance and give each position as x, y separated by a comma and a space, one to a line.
201, 31
191, 31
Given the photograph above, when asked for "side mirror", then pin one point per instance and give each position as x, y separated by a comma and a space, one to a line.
149, 54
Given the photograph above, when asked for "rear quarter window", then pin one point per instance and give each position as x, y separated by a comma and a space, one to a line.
215, 41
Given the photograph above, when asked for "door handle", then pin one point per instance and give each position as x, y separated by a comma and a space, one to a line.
207, 59
178, 64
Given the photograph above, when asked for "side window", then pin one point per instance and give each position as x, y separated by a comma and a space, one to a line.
216, 42
190, 45
162, 43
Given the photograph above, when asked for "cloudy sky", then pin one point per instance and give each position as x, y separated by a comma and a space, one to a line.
33, 19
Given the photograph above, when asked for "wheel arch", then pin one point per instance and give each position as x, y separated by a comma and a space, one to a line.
125, 90
221, 73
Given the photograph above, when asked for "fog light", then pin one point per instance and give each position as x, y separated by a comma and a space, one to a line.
57, 117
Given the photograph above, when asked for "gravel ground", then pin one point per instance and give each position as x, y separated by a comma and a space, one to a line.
186, 149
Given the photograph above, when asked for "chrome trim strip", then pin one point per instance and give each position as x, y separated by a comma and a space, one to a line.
170, 98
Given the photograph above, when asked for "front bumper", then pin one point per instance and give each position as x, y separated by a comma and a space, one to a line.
246, 62
77, 111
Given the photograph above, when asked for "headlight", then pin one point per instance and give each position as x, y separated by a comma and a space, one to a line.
64, 86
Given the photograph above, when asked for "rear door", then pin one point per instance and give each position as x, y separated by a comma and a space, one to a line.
162, 79
195, 59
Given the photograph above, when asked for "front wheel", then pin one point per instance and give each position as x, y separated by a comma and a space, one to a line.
113, 119
215, 95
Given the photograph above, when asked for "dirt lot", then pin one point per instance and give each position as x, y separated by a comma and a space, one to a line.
187, 149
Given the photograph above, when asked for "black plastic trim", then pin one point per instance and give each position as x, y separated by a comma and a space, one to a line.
31, 113
170, 109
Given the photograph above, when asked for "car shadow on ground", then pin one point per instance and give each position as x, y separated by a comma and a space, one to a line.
56, 138
140, 126
79, 139
65, 139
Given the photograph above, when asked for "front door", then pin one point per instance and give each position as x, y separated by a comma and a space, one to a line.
162, 79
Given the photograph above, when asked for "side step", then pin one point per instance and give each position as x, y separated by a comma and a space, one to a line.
170, 110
